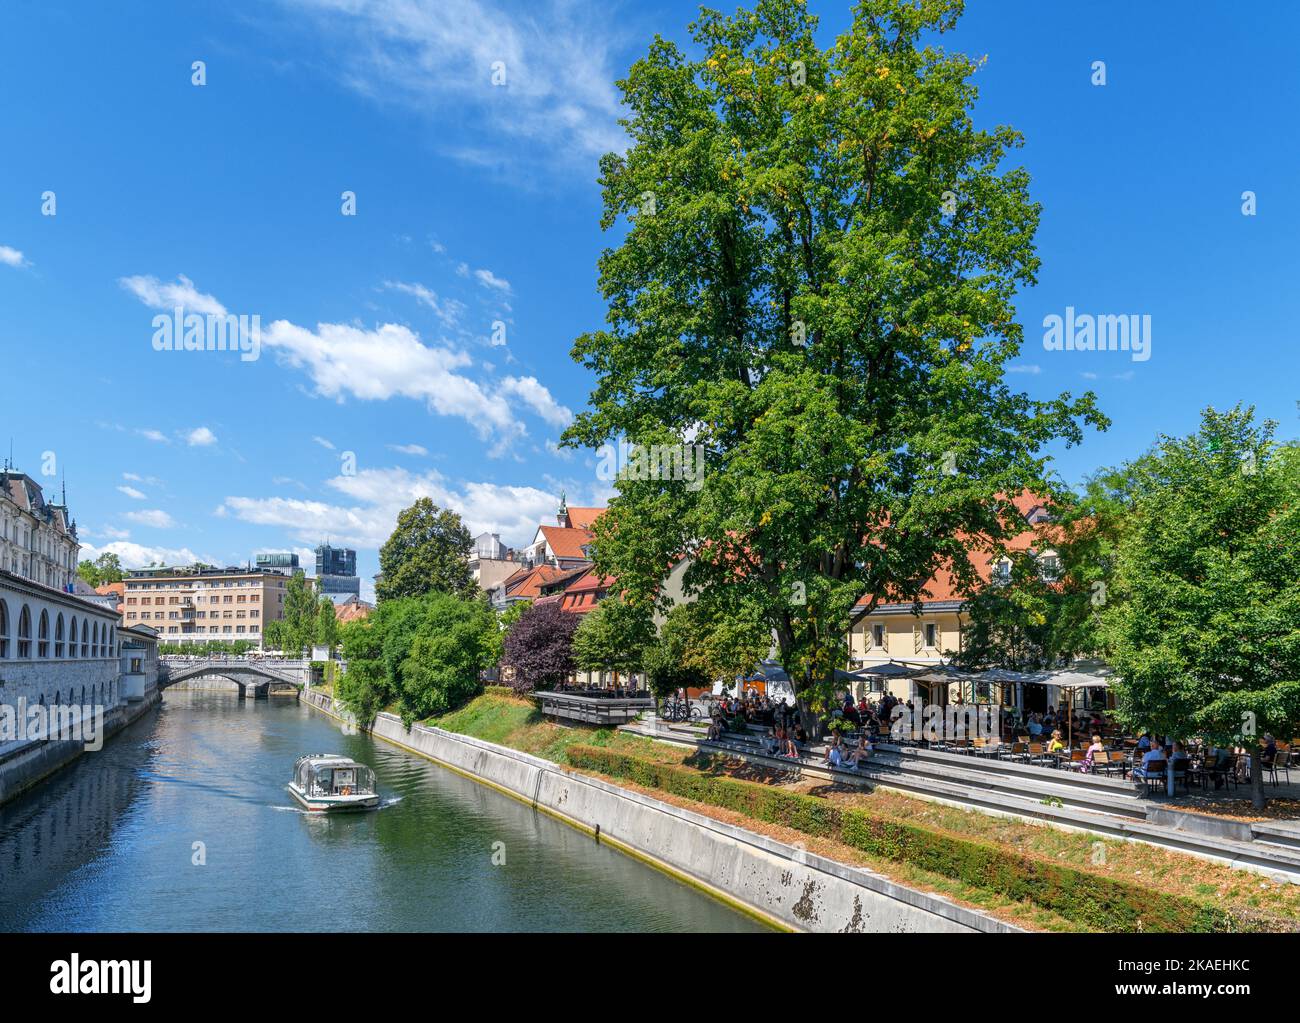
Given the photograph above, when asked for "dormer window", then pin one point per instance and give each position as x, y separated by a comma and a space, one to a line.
1049, 567
1002, 572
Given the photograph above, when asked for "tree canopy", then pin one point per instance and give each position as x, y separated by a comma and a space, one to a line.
614, 636
1202, 618
107, 568
427, 552
815, 290
539, 648
421, 655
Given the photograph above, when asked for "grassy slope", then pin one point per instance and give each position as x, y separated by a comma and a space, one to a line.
513, 722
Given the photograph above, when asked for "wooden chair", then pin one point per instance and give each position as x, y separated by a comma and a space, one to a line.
1154, 776
1281, 762
1182, 767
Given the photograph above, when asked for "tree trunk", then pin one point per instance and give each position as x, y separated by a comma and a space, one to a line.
1257, 781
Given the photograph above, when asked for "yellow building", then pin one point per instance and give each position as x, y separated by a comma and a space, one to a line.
193, 605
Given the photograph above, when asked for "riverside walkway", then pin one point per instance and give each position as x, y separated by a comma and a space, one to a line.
1107, 807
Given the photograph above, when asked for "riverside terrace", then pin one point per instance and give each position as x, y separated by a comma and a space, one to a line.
997, 779
593, 705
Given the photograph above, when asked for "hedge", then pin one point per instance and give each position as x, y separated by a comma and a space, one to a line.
1080, 896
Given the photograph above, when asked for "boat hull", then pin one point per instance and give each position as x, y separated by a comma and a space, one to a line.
334, 804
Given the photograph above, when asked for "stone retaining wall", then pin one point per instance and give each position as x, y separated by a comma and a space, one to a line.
24, 768
780, 883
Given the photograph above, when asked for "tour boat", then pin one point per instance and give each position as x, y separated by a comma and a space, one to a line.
328, 782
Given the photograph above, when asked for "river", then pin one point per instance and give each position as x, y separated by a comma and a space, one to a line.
182, 823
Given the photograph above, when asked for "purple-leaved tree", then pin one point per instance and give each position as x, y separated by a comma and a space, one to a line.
539, 648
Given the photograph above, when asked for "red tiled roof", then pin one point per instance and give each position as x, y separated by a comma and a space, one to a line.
943, 586
583, 595
584, 518
566, 543
527, 583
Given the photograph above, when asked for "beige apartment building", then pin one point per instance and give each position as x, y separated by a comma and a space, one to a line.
187, 605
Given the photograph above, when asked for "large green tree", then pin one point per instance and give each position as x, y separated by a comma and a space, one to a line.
420, 655
814, 290
107, 568
427, 552
699, 644
614, 636
297, 625
1202, 619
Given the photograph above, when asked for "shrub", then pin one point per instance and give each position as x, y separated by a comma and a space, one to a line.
1078, 895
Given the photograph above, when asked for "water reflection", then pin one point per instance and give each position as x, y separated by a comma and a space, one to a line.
183, 823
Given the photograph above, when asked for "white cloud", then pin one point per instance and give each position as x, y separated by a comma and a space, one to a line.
157, 294
154, 435
11, 257
538, 398
134, 555
1030, 368
490, 280
131, 492
409, 449
377, 495
113, 533
375, 364
154, 517
447, 310
328, 445
390, 361
438, 56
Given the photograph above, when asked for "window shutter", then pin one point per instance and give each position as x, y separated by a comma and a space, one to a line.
916, 639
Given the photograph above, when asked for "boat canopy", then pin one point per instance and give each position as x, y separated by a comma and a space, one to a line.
328, 774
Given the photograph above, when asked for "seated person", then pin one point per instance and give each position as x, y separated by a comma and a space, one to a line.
1057, 744
1178, 754
1035, 727
1086, 763
789, 749
1146, 768
835, 754
1144, 742
770, 743
1269, 753
860, 752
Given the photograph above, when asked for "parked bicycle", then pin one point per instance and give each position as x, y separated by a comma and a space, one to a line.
680, 710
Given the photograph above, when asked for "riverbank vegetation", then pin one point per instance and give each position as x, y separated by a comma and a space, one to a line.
980, 875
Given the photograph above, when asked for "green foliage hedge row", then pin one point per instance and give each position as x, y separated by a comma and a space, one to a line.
1110, 904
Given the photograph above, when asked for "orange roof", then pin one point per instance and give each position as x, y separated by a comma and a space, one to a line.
351, 611
943, 586
527, 583
104, 589
566, 543
582, 596
584, 518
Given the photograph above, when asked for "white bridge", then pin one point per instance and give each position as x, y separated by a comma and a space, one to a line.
256, 674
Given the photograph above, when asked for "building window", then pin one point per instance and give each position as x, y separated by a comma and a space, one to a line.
1049, 567
932, 635
878, 635
25, 633
58, 635
43, 635
4, 630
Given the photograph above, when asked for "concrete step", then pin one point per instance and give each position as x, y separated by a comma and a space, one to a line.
974, 791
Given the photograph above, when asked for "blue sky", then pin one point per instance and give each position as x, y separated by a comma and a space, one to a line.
476, 205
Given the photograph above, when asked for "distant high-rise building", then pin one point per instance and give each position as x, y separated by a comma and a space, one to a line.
336, 572
286, 563
335, 560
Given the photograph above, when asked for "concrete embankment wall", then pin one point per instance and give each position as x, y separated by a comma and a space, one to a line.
777, 882
22, 769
